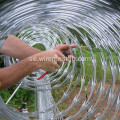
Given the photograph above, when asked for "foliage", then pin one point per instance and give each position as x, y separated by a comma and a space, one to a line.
55, 94
20, 96
39, 46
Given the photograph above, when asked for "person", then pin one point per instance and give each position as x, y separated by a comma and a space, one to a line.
15, 47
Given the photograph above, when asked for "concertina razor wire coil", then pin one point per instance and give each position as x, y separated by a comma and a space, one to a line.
94, 24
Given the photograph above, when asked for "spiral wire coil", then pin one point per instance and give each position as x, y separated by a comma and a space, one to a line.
52, 22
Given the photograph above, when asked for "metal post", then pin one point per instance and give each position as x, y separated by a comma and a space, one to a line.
13, 93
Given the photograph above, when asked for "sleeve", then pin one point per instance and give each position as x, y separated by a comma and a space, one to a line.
1, 43
2, 39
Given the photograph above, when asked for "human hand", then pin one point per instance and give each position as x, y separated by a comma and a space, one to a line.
49, 60
64, 47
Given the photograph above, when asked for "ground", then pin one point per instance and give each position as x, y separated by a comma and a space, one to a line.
74, 110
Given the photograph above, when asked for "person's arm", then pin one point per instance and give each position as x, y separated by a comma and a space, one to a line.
12, 74
16, 48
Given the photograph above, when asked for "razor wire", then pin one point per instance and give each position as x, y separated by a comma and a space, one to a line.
52, 22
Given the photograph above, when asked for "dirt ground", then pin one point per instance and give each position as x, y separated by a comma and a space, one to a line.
75, 110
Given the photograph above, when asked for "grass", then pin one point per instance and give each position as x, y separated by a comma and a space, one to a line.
99, 69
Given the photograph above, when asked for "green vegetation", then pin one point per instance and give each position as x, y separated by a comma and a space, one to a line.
21, 96
39, 46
